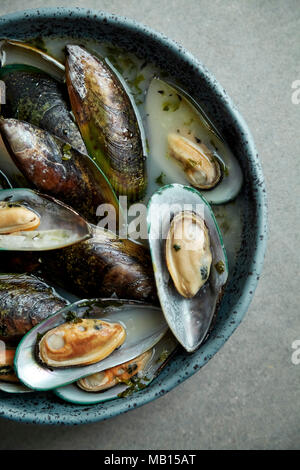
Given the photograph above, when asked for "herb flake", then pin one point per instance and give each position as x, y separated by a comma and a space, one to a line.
220, 267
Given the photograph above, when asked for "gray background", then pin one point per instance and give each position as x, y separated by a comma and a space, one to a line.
247, 397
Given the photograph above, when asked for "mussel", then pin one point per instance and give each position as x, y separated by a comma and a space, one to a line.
123, 380
30, 221
80, 342
108, 121
143, 324
103, 266
37, 98
14, 54
186, 147
25, 301
189, 261
110, 377
55, 168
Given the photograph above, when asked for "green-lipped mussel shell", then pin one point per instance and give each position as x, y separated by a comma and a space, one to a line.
190, 319
25, 301
55, 168
160, 356
37, 98
144, 326
171, 112
103, 266
107, 120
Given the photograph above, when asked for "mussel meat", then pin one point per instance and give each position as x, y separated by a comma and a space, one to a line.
110, 377
80, 342
83, 339
188, 253
199, 164
16, 218
137, 375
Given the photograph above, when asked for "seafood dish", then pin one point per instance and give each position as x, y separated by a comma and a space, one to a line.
117, 233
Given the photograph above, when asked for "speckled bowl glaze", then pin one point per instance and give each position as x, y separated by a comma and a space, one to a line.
46, 408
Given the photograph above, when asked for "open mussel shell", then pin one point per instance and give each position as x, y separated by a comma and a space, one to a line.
160, 355
15, 52
30, 221
144, 326
189, 319
185, 146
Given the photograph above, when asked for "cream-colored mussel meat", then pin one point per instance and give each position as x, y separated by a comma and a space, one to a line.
80, 342
188, 253
110, 377
199, 164
16, 218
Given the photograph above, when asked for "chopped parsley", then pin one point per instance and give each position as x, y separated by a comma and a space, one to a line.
163, 356
67, 154
160, 179
71, 317
136, 83
220, 267
170, 106
39, 337
135, 384
177, 247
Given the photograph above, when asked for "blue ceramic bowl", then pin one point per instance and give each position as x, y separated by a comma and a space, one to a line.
156, 48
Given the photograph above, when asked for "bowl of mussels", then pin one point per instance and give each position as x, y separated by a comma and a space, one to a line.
132, 216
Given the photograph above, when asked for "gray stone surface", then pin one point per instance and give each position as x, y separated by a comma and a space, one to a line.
248, 396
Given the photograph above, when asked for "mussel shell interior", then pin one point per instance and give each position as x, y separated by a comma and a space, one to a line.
144, 325
161, 354
15, 52
170, 110
60, 225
